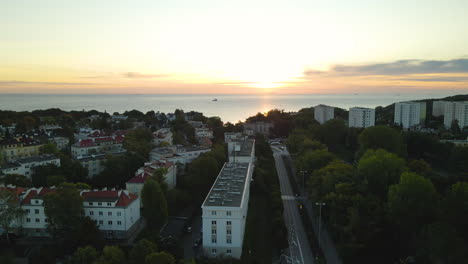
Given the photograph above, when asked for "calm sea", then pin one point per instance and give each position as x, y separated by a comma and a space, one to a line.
229, 107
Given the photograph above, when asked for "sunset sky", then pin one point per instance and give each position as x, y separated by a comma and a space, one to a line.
223, 46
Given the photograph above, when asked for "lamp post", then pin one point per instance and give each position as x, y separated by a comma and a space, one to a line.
320, 221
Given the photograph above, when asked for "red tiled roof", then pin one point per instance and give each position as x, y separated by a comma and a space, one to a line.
140, 178
34, 194
16, 191
119, 138
100, 194
125, 199
103, 139
86, 143
122, 200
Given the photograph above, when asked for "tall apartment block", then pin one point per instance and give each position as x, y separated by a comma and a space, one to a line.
410, 114
323, 113
361, 117
438, 108
456, 111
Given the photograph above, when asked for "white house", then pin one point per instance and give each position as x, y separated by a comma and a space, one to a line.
361, 117
25, 166
323, 113
34, 221
410, 114
224, 211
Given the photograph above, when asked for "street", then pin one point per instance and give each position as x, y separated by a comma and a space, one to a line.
299, 248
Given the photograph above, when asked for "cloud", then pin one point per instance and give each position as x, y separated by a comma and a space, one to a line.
44, 83
444, 79
137, 75
400, 67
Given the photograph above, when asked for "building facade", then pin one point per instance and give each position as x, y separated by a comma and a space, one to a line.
262, 127
323, 113
17, 148
456, 111
438, 108
410, 114
25, 166
361, 117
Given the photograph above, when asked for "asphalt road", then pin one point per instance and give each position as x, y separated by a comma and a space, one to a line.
299, 248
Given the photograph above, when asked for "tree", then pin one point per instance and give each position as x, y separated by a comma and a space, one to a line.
17, 180
455, 206
314, 160
48, 149
118, 170
87, 233
10, 210
55, 180
201, 174
159, 175
160, 258
112, 255
412, 203
381, 137
155, 205
84, 255
420, 167
380, 169
142, 249
334, 133
139, 141
324, 180
63, 208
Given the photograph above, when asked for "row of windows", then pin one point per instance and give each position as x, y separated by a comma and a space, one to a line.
228, 251
108, 213
37, 220
101, 222
228, 223
228, 213
228, 232
108, 204
36, 211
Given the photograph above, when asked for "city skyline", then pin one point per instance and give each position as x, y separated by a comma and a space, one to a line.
242, 47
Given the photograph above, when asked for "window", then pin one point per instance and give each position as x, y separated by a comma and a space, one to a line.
213, 222
91, 212
90, 203
100, 213
109, 222
228, 232
38, 220
213, 212
101, 222
228, 251
119, 222
27, 211
36, 201
109, 204
213, 251
228, 241
99, 203
109, 213
213, 231
228, 213
36, 211
228, 223
213, 240
46, 220
119, 213
28, 220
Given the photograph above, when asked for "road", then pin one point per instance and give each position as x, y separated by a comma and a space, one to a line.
299, 248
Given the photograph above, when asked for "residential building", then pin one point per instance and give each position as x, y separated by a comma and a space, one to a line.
253, 127
191, 153
61, 142
178, 154
438, 108
118, 118
135, 184
361, 117
323, 113
25, 166
410, 114
241, 150
456, 111
89, 146
15, 225
34, 221
162, 135
228, 136
17, 148
95, 162
224, 211
457, 142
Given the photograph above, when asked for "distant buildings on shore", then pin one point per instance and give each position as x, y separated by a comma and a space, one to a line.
410, 114
323, 113
361, 117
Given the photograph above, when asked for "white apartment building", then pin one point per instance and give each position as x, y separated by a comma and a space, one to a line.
323, 113
25, 166
117, 213
242, 150
91, 146
178, 154
61, 142
135, 184
225, 211
162, 135
361, 117
438, 108
456, 111
410, 114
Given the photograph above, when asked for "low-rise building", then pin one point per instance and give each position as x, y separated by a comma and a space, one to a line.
62, 143
162, 135
95, 162
25, 166
224, 211
17, 148
89, 146
178, 154
253, 127
323, 113
361, 117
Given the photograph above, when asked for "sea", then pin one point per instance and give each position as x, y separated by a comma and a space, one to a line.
229, 107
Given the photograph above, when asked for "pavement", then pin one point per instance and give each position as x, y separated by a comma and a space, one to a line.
300, 251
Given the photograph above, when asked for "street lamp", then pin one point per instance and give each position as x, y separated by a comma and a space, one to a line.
320, 220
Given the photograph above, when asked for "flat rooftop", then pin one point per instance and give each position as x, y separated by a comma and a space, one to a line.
245, 148
228, 188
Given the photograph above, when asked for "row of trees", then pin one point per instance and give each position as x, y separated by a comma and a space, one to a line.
384, 201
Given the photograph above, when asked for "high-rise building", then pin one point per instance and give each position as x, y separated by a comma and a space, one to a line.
323, 113
456, 111
361, 117
410, 114
438, 108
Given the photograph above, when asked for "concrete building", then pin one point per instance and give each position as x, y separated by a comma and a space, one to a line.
135, 184
438, 108
456, 111
162, 135
178, 154
241, 150
97, 145
253, 127
323, 113
25, 166
457, 142
61, 142
410, 114
224, 211
229, 136
95, 162
361, 117
17, 148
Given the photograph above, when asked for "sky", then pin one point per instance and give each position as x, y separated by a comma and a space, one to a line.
241, 46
